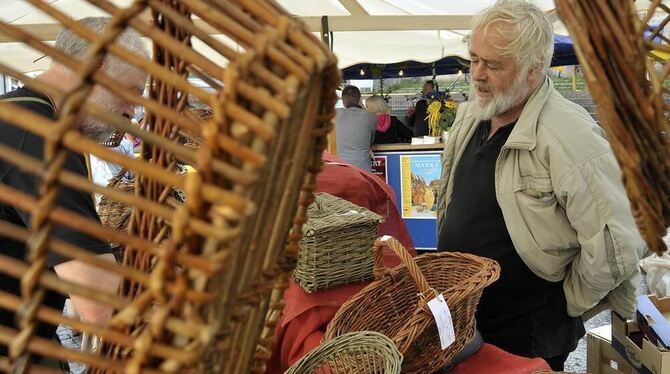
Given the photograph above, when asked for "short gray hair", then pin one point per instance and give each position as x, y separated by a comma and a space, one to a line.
531, 37
77, 46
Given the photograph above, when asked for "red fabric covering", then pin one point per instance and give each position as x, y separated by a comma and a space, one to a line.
305, 316
490, 358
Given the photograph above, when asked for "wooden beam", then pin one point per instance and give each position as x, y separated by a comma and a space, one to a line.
49, 31
354, 8
553, 15
390, 23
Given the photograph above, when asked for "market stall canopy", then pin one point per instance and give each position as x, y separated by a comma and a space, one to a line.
564, 54
363, 31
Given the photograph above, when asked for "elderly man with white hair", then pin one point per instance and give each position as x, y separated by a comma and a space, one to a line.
529, 181
80, 202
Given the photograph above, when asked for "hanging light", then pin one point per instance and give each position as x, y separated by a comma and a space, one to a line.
460, 72
362, 72
401, 73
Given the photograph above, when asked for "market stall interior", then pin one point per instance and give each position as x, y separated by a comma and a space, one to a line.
238, 109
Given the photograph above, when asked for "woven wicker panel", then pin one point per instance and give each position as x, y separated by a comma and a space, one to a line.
336, 247
362, 352
395, 304
626, 69
199, 278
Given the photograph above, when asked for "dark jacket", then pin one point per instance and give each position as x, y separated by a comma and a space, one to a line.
396, 133
417, 120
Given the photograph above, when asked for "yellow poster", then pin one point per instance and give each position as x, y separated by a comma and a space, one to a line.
419, 182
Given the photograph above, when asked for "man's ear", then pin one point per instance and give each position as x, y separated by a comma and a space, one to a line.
534, 74
101, 62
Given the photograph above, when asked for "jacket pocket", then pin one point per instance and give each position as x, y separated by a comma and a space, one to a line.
543, 216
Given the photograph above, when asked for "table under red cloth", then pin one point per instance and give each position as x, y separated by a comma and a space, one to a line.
305, 316
491, 359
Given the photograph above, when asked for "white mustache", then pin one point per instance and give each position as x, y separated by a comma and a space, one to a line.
482, 86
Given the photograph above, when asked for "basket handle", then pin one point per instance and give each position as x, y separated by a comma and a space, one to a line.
406, 259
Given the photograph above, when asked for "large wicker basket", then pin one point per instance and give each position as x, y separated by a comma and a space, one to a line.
336, 247
624, 53
360, 352
395, 304
199, 278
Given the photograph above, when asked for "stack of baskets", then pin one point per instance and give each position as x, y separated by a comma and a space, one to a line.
336, 247
395, 304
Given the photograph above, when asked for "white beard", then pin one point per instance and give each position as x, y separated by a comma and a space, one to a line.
501, 101
95, 128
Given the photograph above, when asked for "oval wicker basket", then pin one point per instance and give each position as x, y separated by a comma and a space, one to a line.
395, 304
362, 352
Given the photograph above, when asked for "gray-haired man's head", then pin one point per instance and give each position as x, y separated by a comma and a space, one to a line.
131, 77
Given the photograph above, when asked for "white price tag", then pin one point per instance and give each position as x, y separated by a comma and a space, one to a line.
445, 327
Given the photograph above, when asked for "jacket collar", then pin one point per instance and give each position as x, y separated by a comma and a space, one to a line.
524, 134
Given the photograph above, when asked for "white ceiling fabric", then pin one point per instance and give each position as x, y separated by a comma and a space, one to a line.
436, 35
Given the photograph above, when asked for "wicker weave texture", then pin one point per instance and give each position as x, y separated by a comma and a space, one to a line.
361, 352
395, 304
336, 247
199, 278
625, 62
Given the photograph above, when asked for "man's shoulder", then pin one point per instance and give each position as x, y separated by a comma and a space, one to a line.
30, 100
570, 124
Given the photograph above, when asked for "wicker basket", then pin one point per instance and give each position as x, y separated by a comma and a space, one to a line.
336, 247
361, 352
198, 278
395, 304
624, 58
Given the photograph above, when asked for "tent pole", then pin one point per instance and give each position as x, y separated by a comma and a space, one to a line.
326, 39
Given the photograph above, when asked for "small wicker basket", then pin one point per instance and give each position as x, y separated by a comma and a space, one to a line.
395, 304
362, 352
336, 247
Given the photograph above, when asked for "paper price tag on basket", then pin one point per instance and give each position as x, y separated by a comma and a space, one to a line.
445, 327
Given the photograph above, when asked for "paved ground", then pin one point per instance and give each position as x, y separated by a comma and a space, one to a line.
576, 362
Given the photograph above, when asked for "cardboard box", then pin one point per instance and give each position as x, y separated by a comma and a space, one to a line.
601, 358
640, 353
652, 321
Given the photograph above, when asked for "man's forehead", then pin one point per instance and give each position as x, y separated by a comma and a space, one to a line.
493, 33
487, 42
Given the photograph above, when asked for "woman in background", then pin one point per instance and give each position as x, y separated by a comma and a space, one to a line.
389, 129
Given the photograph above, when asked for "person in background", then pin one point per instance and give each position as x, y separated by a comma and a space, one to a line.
354, 129
416, 115
389, 129
77, 201
529, 181
103, 171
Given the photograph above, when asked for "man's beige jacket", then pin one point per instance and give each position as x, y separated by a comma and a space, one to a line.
559, 188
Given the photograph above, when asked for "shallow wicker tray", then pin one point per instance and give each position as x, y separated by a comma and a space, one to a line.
361, 352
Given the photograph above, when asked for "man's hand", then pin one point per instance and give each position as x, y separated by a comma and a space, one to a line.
84, 274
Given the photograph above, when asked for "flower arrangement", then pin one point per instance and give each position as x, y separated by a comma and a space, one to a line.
441, 115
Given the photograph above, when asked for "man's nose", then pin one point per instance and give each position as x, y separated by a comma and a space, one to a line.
478, 72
